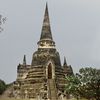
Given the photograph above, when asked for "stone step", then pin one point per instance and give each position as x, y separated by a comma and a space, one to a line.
52, 89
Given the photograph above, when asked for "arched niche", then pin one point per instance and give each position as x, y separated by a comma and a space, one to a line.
50, 70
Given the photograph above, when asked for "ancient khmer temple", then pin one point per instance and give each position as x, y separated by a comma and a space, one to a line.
44, 78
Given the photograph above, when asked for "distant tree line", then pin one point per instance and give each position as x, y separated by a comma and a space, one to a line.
85, 84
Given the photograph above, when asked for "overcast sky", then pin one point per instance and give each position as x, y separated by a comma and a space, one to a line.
75, 28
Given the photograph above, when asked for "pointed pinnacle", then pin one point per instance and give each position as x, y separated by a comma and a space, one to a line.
46, 29
24, 60
65, 63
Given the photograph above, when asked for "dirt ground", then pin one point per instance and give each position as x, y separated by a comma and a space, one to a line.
6, 98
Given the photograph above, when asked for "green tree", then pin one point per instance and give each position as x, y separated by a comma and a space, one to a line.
90, 81
2, 21
72, 86
85, 84
2, 86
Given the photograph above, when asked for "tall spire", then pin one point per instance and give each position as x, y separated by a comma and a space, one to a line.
46, 40
24, 60
46, 30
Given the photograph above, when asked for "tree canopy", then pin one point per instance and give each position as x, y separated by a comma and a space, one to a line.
2, 86
2, 21
85, 84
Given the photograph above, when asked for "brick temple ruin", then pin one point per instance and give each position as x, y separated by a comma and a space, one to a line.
44, 79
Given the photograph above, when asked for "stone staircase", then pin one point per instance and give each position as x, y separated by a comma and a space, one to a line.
52, 89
